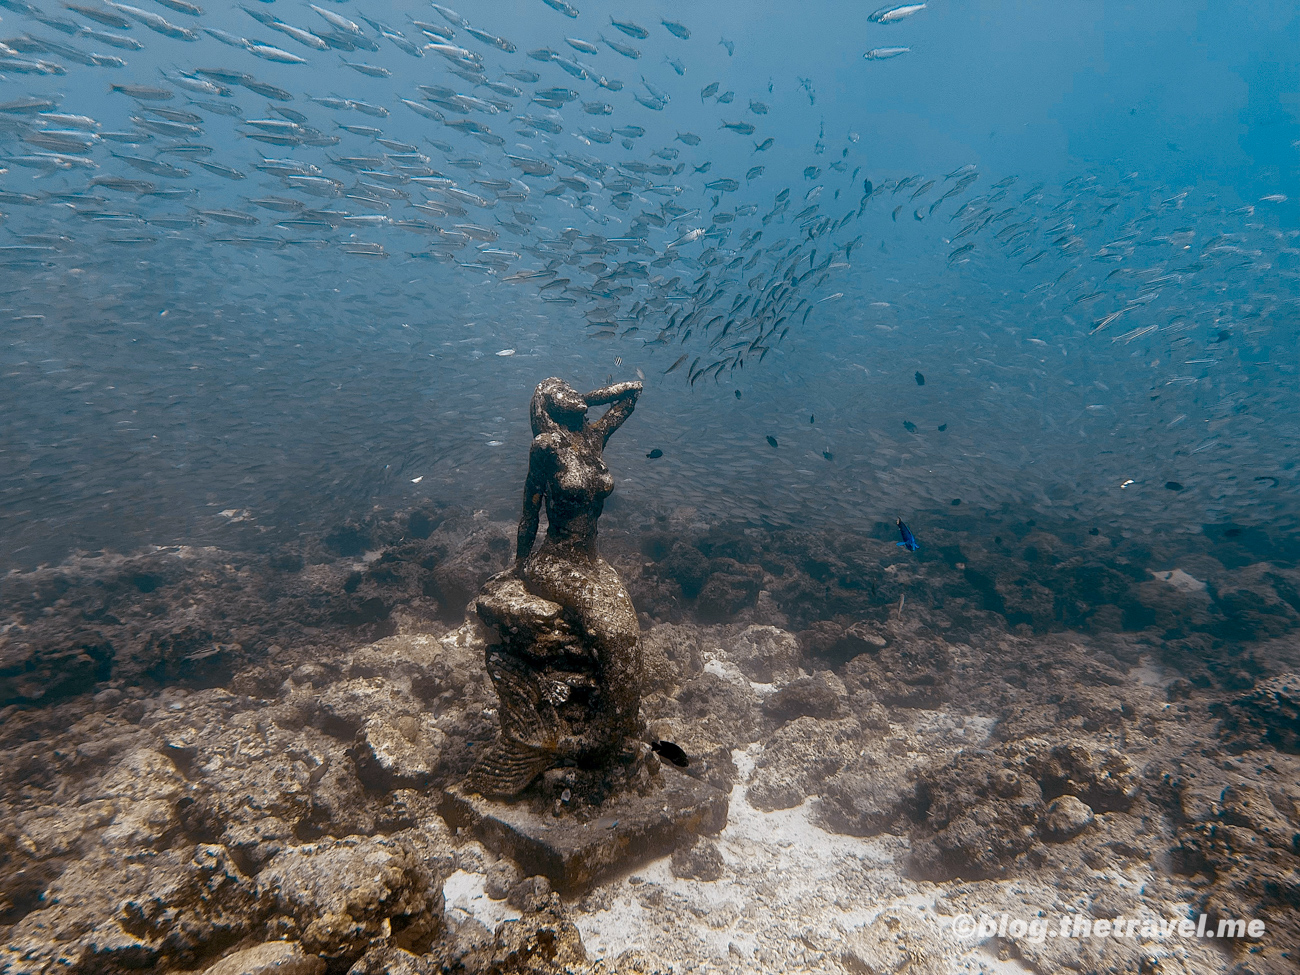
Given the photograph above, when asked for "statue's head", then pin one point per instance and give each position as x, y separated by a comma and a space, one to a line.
556, 402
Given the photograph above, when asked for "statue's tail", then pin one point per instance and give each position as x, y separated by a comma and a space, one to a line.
530, 729
507, 768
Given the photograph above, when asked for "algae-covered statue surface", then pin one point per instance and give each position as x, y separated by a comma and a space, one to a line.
566, 663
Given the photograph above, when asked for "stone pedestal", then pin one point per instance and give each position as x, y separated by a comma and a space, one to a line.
629, 829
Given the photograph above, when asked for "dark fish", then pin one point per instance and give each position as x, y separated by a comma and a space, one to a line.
909, 541
771, 441
672, 752
942, 427
675, 365
655, 454
1173, 486
737, 394
828, 455
920, 380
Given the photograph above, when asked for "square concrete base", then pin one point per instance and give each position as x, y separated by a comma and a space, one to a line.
573, 855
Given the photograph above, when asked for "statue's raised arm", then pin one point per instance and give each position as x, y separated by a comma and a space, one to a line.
623, 397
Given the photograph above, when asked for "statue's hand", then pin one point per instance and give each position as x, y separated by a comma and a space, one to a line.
613, 393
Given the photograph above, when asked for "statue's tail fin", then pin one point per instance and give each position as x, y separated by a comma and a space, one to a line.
507, 768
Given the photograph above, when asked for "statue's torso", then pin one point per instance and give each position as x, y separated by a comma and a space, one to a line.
576, 491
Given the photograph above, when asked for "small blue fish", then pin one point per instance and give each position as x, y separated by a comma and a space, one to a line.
909, 541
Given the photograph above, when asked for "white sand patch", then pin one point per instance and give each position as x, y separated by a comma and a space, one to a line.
791, 892
1179, 579
790, 895
716, 663
464, 892
1151, 674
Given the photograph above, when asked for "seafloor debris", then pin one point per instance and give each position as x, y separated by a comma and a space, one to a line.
1044, 724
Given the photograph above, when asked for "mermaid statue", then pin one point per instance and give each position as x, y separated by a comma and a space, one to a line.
566, 661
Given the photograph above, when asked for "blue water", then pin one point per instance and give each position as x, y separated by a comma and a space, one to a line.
1118, 346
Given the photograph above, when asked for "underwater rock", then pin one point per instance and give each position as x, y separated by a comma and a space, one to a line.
191, 616
1100, 776
981, 812
836, 643
458, 577
110, 913
399, 754
305, 747
913, 670
979, 815
1065, 818
340, 898
730, 588
795, 761
765, 654
1026, 600
1258, 602
342, 708
871, 794
699, 861
1247, 805
501, 878
1266, 717
271, 958
256, 784
711, 711
1179, 580
415, 660
899, 940
687, 566
1176, 608
544, 943
31, 674
1239, 840
671, 655
822, 696
530, 894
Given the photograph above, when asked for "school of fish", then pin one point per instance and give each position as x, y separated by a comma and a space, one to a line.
536, 170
